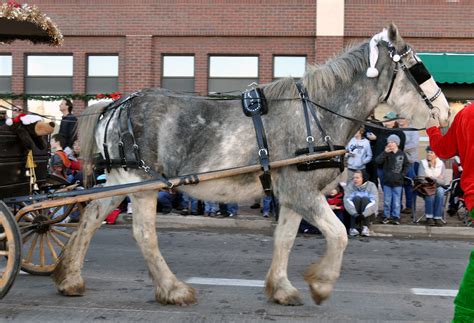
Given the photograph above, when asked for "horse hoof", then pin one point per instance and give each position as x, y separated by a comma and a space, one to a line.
320, 292
291, 299
181, 294
68, 288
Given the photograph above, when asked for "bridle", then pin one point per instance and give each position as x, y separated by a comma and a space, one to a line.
416, 74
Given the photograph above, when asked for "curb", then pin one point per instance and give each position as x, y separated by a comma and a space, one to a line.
257, 223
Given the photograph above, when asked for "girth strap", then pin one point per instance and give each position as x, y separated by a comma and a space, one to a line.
254, 105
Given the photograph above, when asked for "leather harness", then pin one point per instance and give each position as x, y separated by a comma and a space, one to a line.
254, 105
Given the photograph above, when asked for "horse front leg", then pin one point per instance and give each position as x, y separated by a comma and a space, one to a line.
168, 289
277, 286
67, 274
322, 275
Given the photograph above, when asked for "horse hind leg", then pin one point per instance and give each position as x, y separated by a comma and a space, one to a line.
67, 274
277, 286
168, 289
322, 275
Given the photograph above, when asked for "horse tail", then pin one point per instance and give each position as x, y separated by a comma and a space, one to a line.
86, 134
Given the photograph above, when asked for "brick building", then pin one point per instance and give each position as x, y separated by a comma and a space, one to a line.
220, 45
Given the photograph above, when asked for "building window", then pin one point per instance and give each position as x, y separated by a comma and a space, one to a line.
49, 75
5, 73
232, 74
288, 66
102, 74
178, 73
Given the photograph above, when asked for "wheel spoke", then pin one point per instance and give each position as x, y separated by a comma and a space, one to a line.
62, 233
67, 225
32, 248
56, 210
51, 247
41, 250
27, 236
56, 239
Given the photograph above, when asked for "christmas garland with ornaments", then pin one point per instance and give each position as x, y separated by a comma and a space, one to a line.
75, 96
14, 11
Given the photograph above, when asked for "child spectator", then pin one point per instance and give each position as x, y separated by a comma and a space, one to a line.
360, 201
335, 201
359, 153
394, 164
59, 163
75, 173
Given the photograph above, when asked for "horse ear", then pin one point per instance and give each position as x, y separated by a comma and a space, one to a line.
395, 38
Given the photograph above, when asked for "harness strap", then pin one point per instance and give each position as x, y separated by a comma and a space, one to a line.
120, 143
392, 81
105, 145
305, 99
254, 105
303, 95
138, 163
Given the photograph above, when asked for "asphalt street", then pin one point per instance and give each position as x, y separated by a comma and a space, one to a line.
382, 280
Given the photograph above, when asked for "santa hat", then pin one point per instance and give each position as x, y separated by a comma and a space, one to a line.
374, 52
24, 118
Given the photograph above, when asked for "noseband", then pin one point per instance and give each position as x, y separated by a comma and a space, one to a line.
416, 74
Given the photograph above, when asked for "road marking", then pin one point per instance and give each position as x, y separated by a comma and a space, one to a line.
434, 292
261, 283
225, 282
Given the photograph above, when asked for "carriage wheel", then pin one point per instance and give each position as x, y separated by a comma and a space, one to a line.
10, 248
44, 235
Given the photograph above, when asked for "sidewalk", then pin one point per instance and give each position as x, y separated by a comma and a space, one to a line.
252, 220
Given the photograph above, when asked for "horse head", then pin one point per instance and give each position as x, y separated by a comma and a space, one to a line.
412, 91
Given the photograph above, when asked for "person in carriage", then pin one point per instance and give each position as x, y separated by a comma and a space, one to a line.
59, 164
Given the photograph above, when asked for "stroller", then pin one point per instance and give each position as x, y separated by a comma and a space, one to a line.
457, 207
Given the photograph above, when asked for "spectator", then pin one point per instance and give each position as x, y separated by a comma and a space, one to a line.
457, 192
394, 164
232, 209
210, 208
434, 168
267, 205
75, 173
335, 201
67, 127
228, 210
360, 201
411, 150
59, 163
380, 136
189, 205
359, 153
165, 200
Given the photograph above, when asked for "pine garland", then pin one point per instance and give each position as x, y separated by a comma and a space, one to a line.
47, 97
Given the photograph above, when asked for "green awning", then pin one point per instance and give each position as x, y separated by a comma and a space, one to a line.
450, 67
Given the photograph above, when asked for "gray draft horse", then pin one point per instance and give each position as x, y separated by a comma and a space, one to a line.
182, 134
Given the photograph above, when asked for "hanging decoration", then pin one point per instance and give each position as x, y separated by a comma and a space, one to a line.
75, 96
21, 21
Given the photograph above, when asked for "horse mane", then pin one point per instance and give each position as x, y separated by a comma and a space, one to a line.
86, 125
338, 69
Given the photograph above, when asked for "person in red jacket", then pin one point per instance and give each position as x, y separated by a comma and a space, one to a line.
459, 140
